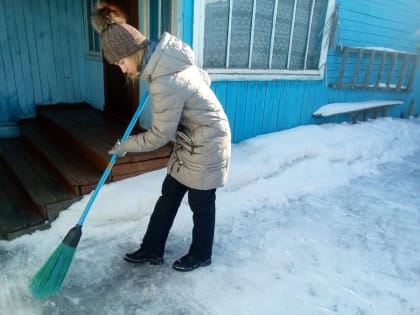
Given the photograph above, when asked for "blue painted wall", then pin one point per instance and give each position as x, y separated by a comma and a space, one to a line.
42, 57
262, 107
258, 107
379, 23
42, 61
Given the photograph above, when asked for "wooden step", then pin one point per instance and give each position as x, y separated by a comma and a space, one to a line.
44, 188
92, 134
127, 170
59, 157
155, 160
75, 170
17, 214
86, 129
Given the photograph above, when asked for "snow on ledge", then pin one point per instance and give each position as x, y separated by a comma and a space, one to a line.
348, 107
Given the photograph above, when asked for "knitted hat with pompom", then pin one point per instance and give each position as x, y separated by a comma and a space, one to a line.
118, 39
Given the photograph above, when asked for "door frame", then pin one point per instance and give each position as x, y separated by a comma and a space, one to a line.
121, 95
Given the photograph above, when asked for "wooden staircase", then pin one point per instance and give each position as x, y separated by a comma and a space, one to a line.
59, 156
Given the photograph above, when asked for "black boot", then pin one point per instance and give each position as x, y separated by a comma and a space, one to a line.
141, 256
189, 263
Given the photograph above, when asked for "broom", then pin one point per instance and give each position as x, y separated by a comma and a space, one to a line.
49, 278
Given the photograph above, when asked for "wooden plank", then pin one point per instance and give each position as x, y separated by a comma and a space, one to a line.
70, 123
361, 26
413, 73
43, 187
249, 109
42, 56
391, 69
95, 141
308, 96
17, 214
44, 50
287, 95
79, 84
188, 18
219, 88
18, 62
9, 97
351, 107
259, 108
375, 12
271, 107
30, 22
26, 87
293, 104
374, 69
381, 70
402, 72
61, 57
240, 106
72, 167
231, 108
356, 70
133, 169
368, 70
281, 112
343, 68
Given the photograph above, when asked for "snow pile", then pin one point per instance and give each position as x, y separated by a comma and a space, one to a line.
319, 219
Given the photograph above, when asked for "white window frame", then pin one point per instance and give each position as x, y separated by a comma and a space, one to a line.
222, 74
144, 17
96, 52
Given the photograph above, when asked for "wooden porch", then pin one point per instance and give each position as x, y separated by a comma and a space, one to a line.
59, 156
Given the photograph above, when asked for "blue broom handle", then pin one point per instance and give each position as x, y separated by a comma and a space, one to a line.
113, 159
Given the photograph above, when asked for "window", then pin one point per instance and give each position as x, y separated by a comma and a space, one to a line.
92, 39
274, 37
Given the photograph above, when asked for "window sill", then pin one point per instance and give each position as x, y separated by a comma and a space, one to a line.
262, 75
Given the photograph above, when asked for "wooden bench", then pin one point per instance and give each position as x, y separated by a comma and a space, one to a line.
354, 108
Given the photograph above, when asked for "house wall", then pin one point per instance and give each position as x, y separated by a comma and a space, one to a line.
258, 107
42, 61
416, 92
42, 58
379, 24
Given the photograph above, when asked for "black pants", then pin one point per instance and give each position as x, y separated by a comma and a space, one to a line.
202, 203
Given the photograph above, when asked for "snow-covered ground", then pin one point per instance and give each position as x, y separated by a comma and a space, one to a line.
314, 220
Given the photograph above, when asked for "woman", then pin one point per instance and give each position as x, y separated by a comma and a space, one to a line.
185, 110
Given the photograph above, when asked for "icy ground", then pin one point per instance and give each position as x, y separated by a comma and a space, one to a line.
314, 220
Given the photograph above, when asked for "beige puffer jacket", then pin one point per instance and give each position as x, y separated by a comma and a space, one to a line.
186, 110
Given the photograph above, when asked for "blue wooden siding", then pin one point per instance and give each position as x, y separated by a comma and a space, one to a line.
188, 21
42, 58
42, 61
416, 92
259, 107
379, 23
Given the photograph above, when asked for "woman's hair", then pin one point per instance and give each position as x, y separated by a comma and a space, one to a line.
137, 57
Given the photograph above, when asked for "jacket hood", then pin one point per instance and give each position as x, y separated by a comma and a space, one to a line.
171, 55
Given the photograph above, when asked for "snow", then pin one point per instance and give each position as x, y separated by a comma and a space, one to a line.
339, 108
319, 219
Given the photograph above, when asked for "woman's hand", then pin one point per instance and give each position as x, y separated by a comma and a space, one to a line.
118, 149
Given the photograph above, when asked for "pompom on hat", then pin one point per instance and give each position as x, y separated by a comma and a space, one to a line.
118, 39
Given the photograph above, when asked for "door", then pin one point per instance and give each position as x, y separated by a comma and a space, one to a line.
121, 95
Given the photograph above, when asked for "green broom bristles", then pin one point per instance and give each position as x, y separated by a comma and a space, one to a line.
49, 278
